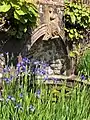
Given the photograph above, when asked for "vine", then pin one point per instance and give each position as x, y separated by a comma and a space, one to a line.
77, 25
77, 20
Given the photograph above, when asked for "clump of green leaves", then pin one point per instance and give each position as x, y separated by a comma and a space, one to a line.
84, 63
16, 16
77, 20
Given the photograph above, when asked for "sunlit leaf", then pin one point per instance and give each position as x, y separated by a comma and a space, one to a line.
20, 12
5, 8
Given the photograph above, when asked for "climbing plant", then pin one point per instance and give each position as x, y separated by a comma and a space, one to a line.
16, 16
77, 24
77, 20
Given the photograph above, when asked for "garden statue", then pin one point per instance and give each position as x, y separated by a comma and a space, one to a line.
48, 40
50, 24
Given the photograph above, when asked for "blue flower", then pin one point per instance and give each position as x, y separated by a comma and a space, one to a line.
26, 60
46, 77
18, 65
23, 68
21, 95
7, 53
19, 106
40, 71
37, 93
6, 69
10, 98
54, 79
8, 80
32, 108
83, 77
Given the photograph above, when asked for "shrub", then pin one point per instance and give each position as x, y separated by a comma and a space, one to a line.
16, 16
83, 66
77, 20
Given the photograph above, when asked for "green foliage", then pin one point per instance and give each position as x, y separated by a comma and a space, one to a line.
77, 20
16, 16
27, 97
28, 106
84, 64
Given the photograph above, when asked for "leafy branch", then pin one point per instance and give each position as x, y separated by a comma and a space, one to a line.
77, 20
16, 16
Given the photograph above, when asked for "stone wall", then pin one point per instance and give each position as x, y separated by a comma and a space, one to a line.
52, 51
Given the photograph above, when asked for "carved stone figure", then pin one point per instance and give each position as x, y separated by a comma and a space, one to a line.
51, 18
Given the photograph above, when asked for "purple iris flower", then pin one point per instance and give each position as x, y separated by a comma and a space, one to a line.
21, 95
22, 63
19, 106
46, 77
6, 69
38, 93
44, 65
26, 60
8, 80
83, 77
40, 71
18, 65
10, 98
23, 68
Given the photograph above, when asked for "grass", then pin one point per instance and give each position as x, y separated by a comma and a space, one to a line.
23, 99
45, 103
